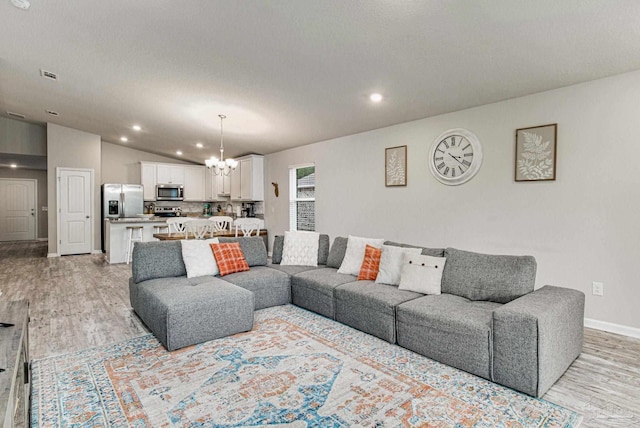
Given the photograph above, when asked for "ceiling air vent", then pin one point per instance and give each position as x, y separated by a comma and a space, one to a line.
16, 115
48, 74
52, 113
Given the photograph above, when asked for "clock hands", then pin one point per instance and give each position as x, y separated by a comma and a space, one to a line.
456, 158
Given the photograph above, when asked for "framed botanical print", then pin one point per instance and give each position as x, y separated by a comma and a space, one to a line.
536, 153
395, 166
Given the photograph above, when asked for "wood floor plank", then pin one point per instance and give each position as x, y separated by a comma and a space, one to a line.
81, 301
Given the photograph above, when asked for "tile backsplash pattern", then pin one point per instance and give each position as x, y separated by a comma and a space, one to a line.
196, 207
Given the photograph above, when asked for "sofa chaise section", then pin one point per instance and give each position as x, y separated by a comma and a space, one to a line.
182, 312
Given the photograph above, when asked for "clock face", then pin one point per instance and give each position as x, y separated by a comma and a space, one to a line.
455, 156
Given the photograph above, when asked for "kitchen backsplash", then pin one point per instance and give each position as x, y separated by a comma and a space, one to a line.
196, 207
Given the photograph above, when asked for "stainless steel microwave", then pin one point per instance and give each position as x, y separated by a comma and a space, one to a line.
169, 192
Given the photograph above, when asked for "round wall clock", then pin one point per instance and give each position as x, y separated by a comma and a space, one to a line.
455, 156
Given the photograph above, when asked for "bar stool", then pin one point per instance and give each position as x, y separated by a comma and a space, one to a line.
160, 228
135, 235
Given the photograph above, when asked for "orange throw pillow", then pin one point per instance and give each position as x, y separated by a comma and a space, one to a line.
370, 264
229, 257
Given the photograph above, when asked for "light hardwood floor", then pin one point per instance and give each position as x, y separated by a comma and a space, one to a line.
79, 301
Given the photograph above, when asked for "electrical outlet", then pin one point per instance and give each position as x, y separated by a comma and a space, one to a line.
598, 288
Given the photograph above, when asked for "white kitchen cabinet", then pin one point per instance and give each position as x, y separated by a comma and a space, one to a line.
194, 185
247, 182
169, 174
211, 189
224, 185
148, 180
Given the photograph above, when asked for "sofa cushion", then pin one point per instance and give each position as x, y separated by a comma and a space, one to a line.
370, 307
271, 287
495, 278
313, 289
253, 249
323, 249
337, 251
293, 270
426, 251
450, 329
157, 259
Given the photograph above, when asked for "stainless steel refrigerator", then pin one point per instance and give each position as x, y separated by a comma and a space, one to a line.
121, 201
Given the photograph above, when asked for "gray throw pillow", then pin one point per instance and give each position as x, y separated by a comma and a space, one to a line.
157, 259
252, 247
337, 252
487, 277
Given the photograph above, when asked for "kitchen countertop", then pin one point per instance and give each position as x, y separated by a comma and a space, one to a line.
138, 220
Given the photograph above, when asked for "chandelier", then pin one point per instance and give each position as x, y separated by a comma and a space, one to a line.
221, 166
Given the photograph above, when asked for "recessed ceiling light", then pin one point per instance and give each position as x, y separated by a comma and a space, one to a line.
13, 165
375, 97
179, 152
124, 139
136, 127
199, 145
21, 4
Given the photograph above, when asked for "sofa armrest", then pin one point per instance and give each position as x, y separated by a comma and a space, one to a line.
536, 338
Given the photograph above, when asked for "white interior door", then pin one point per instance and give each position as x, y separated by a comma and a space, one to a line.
74, 213
17, 210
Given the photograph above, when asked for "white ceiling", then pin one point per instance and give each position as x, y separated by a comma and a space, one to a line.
293, 72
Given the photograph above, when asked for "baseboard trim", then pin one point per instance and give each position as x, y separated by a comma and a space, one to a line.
42, 239
51, 255
612, 328
96, 251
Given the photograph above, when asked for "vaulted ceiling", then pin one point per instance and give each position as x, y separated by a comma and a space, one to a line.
293, 72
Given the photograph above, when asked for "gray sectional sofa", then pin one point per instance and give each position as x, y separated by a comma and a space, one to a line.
488, 321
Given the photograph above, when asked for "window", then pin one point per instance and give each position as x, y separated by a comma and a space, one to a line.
302, 198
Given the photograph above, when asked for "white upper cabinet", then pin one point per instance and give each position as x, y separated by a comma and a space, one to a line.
247, 182
224, 185
212, 186
148, 180
194, 183
169, 174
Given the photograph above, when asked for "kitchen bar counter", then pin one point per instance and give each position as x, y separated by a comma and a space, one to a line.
138, 220
224, 234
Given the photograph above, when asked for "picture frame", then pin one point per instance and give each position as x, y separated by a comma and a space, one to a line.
536, 149
395, 166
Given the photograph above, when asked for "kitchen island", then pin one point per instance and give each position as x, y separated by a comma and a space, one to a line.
116, 235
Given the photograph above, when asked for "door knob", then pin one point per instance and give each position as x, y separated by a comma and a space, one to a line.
87, 216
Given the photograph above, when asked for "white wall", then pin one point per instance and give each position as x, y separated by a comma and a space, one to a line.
583, 227
67, 147
22, 138
122, 164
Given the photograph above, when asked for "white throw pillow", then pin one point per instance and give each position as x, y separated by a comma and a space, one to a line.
391, 263
300, 249
422, 274
354, 254
198, 257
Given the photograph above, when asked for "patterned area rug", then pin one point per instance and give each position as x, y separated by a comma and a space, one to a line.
294, 369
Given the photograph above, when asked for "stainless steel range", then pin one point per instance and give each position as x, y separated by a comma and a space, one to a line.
167, 211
